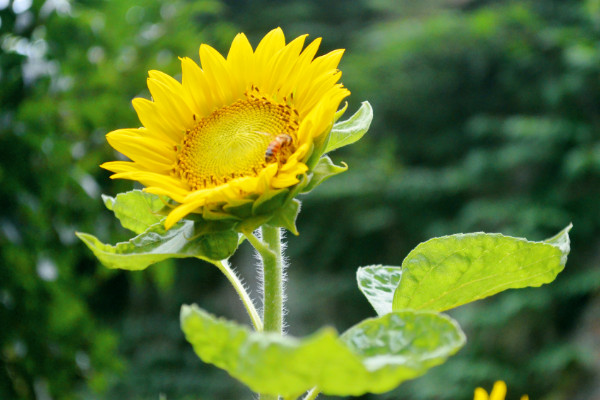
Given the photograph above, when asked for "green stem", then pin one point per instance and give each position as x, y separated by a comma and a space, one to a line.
273, 281
237, 284
269, 249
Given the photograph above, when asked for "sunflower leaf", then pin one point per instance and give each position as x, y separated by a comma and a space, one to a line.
449, 271
324, 170
351, 130
136, 210
374, 356
378, 283
157, 244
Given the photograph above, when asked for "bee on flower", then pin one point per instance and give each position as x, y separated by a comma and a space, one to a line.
210, 141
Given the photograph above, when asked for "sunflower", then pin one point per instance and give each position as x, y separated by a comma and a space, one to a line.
234, 128
498, 393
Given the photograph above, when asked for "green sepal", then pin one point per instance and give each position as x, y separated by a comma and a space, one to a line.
285, 216
216, 214
318, 148
269, 201
241, 208
340, 113
185, 239
378, 283
252, 223
298, 187
324, 170
321, 142
351, 130
136, 210
449, 271
374, 356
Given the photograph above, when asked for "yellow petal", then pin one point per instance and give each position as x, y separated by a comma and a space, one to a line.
215, 67
241, 62
271, 44
195, 84
480, 394
283, 64
181, 212
300, 65
171, 106
148, 114
498, 391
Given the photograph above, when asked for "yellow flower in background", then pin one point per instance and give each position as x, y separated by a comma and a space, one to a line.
235, 127
498, 393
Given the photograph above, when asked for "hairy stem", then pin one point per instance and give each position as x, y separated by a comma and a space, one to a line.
225, 268
269, 249
273, 281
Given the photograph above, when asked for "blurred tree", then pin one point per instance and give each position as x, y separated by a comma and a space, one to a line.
68, 74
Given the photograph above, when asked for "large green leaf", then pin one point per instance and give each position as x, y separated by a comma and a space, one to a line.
351, 130
374, 356
136, 210
449, 271
378, 283
157, 244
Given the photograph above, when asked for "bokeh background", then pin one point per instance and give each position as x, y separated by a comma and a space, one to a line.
487, 118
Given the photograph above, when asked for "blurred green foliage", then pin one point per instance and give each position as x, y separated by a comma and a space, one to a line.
486, 118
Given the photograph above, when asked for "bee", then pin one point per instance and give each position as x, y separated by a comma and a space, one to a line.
277, 144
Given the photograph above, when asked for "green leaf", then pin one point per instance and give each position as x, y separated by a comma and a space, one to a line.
561, 240
374, 356
400, 346
350, 130
324, 170
136, 210
449, 271
378, 283
285, 216
157, 244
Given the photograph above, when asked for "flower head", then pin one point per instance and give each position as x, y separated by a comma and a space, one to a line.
236, 129
498, 393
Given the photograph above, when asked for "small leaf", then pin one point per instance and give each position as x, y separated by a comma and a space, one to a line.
157, 244
378, 283
351, 130
324, 170
449, 271
136, 210
374, 356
